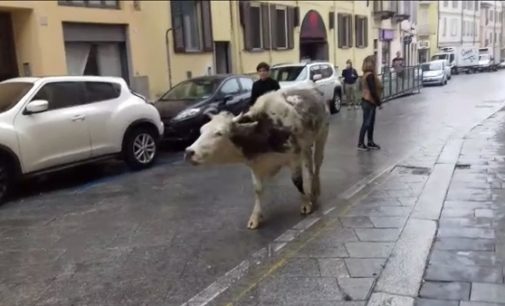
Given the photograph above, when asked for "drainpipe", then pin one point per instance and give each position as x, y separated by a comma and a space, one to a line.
232, 40
270, 36
169, 66
335, 33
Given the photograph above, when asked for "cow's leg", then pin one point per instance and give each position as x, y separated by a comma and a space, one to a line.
297, 175
318, 161
256, 214
308, 164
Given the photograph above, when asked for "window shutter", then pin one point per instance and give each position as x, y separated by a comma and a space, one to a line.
264, 28
340, 30
365, 25
291, 27
349, 29
356, 30
245, 19
273, 26
208, 44
177, 30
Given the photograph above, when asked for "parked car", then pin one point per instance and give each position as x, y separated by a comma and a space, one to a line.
323, 74
501, 65
183, 108
434, 72
50, 123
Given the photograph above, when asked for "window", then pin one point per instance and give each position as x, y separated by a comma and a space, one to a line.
230, 87
101, 91
282, 28
191, 26
454, 4
454, 27
61, 94
114, 4
247, 84
257, 33
344, 30
361, 31
491, 15
316, 69
326, 71
444, 27
464, 5
463, 30
446, 3
289, 73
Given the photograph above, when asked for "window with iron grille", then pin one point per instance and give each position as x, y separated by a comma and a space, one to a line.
112, 4
282, 28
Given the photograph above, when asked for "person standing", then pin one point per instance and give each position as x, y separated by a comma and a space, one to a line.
264, 84
350, 76
371, 99
399, 66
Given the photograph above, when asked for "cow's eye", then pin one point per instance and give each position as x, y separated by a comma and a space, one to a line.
219, 134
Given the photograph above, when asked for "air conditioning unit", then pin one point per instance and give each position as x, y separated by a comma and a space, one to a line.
423, 44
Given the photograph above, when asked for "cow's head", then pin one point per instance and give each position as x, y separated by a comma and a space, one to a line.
215, 145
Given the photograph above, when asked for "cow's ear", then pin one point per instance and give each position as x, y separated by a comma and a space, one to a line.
244, 128
210, 113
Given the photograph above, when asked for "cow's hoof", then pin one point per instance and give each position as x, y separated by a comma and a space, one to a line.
254, 222
306, 208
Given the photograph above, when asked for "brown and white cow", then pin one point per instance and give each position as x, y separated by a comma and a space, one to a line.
288, 127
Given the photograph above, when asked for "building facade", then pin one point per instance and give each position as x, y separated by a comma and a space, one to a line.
427, 30
491, 21
156, 44
395, 23
458, 23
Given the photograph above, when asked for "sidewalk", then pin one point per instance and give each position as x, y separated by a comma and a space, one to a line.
431, 232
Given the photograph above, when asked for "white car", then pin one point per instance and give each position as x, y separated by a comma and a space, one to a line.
434, 72
322, 74
50, 123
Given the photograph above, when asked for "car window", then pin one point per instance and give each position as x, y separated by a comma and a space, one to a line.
101, 91
61, 94
230, 87
326, 71
289, 73
246, 84
11, 93
315, 70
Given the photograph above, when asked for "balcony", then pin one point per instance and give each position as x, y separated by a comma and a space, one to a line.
403, 11
384, 9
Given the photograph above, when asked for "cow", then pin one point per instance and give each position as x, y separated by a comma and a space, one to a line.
284, 128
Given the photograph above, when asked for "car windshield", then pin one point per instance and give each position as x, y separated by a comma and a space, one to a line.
196, 89
484, 57
432, 66
289, 74
11, 93
439, 57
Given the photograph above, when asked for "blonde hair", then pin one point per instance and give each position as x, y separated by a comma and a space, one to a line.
369, 64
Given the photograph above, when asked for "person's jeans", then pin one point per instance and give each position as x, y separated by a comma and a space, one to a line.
350, 94
368, 121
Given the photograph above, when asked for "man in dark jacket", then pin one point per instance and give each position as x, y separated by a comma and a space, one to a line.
264, 84
350, 76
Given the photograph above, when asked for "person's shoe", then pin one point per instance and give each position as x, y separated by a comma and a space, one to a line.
362, 147
373, 146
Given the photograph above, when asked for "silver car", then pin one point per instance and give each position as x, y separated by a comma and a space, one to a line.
435, 72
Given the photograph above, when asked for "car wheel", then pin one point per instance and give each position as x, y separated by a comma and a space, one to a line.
336, 102
141, 148
5, 181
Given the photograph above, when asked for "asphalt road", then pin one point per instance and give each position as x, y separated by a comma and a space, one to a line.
104, 236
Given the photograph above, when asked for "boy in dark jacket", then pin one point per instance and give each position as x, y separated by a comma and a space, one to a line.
264, 84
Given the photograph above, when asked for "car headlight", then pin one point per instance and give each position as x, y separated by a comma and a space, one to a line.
188, 113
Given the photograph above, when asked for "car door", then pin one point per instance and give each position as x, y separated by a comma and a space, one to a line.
59, 135
230, 90
315, 70
326, 84
101, 103
246, 85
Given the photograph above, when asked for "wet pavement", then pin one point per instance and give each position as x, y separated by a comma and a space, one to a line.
109, 237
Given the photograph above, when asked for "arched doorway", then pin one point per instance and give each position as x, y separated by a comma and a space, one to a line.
313, 41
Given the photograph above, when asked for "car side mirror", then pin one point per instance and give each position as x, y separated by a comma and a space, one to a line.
37, 106
317, 77
224, 99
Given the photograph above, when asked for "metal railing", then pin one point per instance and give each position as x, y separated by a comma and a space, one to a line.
409, 81
397, 84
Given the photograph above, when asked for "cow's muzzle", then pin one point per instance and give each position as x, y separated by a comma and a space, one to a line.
188, 156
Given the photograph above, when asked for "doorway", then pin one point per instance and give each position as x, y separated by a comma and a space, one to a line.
313, 41
222, 54
8, 60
